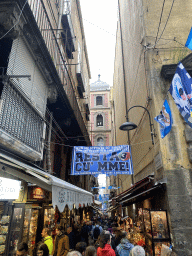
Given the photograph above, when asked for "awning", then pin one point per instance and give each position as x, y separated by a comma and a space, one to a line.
97, 202
63, 193
112, 208
142, 196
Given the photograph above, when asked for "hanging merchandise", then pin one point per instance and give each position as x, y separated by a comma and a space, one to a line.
164, 119
189, 40
180, 90
101, 160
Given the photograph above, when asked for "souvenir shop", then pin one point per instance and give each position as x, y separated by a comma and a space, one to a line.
141, 211
31, 199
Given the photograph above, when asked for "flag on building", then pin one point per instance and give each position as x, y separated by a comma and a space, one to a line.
164, 119
189, 40
180, 90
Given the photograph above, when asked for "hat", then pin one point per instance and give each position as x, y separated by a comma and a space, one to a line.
137, 251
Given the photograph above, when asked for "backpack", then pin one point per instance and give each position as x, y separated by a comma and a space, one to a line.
96, 232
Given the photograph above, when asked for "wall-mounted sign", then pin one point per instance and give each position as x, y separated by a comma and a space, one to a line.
9, 189
38, 193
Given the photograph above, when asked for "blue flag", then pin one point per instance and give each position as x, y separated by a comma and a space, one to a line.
180, 90
189, 40
164, 119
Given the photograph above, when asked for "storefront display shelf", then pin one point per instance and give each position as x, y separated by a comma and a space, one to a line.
156, 231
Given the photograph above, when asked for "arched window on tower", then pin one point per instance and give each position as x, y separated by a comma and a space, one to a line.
100, 142
99, 100
99, 120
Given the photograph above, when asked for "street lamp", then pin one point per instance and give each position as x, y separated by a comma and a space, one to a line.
128, 126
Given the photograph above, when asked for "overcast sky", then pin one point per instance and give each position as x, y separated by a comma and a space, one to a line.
100, 23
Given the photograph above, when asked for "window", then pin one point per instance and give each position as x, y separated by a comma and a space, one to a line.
18, 119
99, 100
100, 142
99, 120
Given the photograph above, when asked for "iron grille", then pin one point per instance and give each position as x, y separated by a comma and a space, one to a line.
19, 119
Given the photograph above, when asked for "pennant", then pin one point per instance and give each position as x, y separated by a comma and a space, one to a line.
180, 90
165, 119
189, 40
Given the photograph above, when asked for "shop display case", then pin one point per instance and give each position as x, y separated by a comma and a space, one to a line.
4, 228
30, 228
156, 230
15, 229
49, 217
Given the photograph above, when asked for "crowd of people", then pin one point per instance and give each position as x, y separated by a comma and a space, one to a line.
88, 239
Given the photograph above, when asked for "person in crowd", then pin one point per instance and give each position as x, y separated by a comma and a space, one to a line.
96, 231
81, 247
61, 243
74, 253
90, 251
124, 247
137, 250
42, 249
116, 238
72, 238
84, 233
47, 239
104, 246
22, 249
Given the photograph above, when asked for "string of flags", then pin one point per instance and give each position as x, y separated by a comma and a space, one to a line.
181, 92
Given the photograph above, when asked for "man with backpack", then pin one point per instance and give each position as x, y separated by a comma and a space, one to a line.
96, 231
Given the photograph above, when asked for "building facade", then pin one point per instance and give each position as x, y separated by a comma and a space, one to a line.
150, 44
44, 110
100, 117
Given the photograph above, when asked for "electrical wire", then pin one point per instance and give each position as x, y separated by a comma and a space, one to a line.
136, 74
163, 28
16, 21
160, 21
166, 21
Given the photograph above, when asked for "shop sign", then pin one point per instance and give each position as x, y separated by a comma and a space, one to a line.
9, 189
38, 193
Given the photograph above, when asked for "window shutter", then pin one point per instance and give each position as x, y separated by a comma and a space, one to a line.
21, 62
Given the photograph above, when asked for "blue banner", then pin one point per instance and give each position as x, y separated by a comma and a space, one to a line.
165, 119
180, 90
101, 160
189, 40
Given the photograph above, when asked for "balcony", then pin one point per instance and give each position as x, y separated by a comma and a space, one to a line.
80, 79
68, 35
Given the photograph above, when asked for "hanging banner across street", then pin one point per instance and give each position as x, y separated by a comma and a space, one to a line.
101, 160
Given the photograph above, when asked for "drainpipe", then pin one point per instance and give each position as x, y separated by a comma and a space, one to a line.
49, 146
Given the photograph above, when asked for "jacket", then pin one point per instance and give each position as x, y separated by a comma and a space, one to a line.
106, 251
61, 245
124, 248
49, 242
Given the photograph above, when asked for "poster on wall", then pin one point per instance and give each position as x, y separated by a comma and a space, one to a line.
101, 160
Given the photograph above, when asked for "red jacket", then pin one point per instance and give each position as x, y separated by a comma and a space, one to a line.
106, 251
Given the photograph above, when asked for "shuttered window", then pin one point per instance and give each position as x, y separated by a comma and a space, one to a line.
21, 62
18, 118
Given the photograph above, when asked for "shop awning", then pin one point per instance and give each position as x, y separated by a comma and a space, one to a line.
63, 193
97, 202
143, 195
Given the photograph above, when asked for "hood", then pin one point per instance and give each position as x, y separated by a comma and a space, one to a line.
126, 245
106, 249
